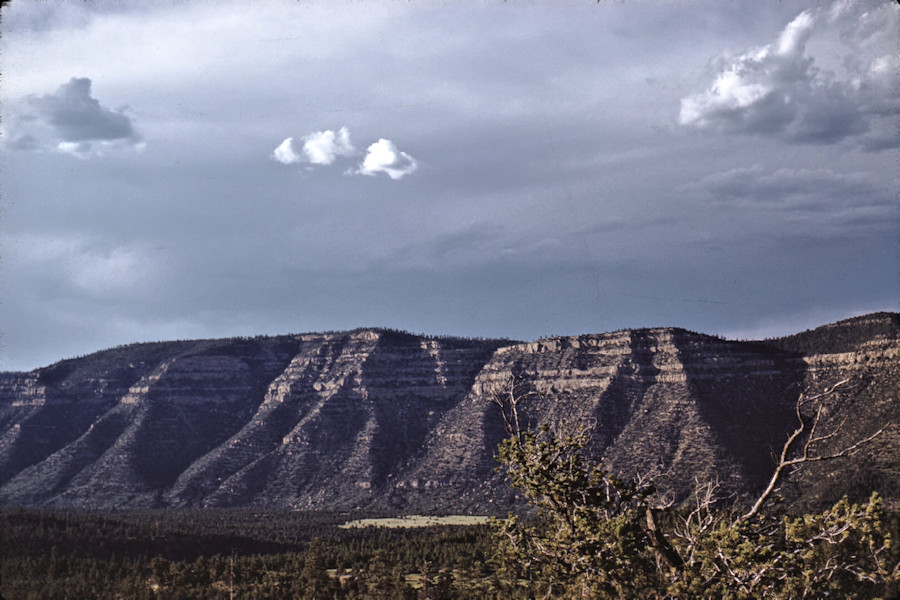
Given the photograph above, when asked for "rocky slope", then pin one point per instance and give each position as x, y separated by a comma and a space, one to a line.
385, 420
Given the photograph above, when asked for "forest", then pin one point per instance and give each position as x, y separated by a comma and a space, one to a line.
582, 532
237, 554
587, 538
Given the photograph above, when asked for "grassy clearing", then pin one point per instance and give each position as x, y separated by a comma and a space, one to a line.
410, 521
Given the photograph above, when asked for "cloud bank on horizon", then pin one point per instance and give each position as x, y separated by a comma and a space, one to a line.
724, 167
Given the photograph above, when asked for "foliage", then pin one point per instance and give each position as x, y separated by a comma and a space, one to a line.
597, 535
589, 536
843, 336
208, 554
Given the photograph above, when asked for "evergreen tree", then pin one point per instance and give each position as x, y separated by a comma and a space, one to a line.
316, 582
600, 536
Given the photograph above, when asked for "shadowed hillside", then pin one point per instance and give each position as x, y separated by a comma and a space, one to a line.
381, 419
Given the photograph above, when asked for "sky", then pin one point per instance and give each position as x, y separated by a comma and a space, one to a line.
193, 169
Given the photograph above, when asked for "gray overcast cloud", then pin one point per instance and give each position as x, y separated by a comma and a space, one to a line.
69, 120
183, 169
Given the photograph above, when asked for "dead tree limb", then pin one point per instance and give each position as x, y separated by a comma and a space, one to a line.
809, 428
508, 402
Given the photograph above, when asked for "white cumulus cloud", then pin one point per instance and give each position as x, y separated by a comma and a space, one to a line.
324, 147
317, 148
384, 157
286, 154
779, 90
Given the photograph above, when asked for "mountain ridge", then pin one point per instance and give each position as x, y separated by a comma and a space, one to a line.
380, 419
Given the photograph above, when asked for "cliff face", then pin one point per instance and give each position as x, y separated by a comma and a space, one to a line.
865, 354
664, 403
386, 420
294, 421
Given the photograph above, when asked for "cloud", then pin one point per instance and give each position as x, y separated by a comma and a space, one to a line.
779, 90
287, 153
324, 147
91, 266
804, 190
384, 157
71, 121
318, 148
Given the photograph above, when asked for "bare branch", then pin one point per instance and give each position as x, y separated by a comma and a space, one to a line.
508, 401
807, 427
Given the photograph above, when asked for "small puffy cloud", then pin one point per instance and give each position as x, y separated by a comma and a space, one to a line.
778, 90
71, 121
384, 157
318, 148
287, 153
324, 148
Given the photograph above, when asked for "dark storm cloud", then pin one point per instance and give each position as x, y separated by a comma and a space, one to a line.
71, 120
779, 90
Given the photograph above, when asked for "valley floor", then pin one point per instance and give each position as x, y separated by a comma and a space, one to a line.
238, 554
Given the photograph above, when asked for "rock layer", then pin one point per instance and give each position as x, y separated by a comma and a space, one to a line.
379, 419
